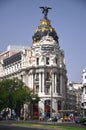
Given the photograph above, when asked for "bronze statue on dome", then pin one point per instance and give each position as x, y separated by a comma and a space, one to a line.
45, 11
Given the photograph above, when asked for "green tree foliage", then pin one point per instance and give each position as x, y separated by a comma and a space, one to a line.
14, 93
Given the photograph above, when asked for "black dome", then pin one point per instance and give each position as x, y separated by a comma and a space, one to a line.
43, 30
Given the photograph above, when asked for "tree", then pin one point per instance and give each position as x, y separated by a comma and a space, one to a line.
14, 93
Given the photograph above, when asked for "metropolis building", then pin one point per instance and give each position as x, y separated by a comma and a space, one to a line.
41, 67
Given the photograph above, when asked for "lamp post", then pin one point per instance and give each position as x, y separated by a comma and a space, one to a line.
51, 100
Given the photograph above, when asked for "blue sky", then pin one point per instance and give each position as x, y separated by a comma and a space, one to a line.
20, 18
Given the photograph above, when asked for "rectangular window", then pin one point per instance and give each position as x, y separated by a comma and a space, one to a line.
37, 76
58, 85
47, 60
48, 76
56, 60
47, 89
47, 102
59, 105
37, 88
37, 61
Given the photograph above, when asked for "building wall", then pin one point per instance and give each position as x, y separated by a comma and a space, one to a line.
74, 97
52, 79
84, 92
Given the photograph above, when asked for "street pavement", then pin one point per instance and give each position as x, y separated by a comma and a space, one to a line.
8, 127
13, 123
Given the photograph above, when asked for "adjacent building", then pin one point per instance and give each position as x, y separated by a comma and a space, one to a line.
74, 98
84, 92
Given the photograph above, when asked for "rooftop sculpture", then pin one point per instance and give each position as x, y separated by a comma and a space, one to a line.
45, 11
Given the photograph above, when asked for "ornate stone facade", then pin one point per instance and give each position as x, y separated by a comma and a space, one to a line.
42, 68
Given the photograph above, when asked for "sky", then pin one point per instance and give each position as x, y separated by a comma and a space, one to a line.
20, 18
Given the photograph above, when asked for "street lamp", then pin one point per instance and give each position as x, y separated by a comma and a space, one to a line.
51, 105
51, 100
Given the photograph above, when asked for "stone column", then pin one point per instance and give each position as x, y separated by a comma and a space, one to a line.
40, 80
52, 84
30, 80
43, 83
41, 109
55, 82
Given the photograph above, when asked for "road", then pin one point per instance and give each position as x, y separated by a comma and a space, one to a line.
9, 127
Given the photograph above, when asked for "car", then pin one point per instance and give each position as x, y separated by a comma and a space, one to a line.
65, 118
1, 117
77, 120
52, 119
49, 119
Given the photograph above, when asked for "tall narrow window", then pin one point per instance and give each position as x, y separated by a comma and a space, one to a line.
47, 60
37, 76
47, 89
56, 60
37, 88
37, 61
58, 85
59, 105
48, 75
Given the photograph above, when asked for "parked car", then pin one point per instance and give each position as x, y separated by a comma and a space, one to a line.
77, 120
1, 117
52, 119
66, 118
81, 120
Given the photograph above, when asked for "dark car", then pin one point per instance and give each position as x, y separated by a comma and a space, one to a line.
0, 117
77, 120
